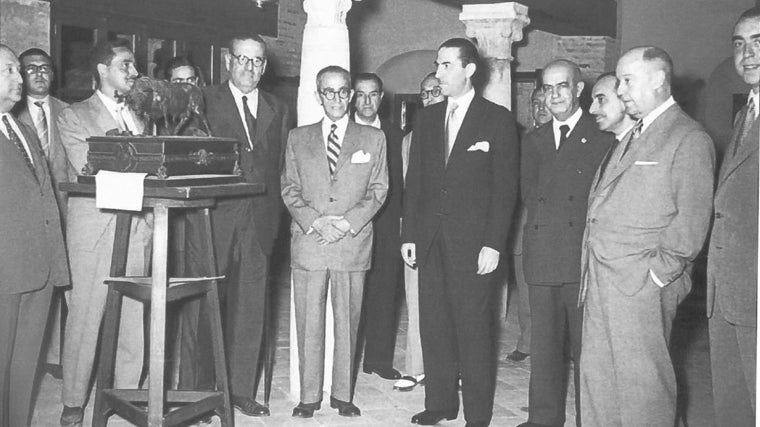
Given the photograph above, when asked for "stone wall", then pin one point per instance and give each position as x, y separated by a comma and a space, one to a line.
25, 24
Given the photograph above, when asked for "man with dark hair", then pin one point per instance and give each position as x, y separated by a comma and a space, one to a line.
461, 188
90, 235
245, 228
383, 279
40, 110
181, 70
334, 181
32, 255
648, 215
608, 109
558, 164
732, 256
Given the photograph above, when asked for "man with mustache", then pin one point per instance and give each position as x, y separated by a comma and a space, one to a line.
90, 235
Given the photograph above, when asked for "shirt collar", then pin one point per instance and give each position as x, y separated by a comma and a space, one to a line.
238, 94
110, 104
340, 131
375, 123
625, 132
654, 114
31, 101
755, 95
463, 101
570, 122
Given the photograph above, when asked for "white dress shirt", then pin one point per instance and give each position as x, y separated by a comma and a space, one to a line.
16, 129
570, 122
375, 123
340, 132
463, 104
253, 105
36, 113
119, 112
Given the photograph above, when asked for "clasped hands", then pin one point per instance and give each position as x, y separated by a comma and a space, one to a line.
330, 228
488, 258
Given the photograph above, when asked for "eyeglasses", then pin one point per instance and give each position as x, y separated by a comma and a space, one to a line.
342, 93
243, 60
32, 69
435, 92
192, 80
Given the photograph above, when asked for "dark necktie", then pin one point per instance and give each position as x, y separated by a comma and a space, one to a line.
14, 138
451, 132
563, 131
333, 149
746, 125
634, 135
42, 126
250, 122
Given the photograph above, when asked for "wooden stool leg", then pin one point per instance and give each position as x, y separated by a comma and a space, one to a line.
215, 322
110, 332
157, 360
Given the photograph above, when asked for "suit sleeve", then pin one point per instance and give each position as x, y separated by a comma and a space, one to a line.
692, 188
361, 213
73, 138
505, 175
292, 189
412, 186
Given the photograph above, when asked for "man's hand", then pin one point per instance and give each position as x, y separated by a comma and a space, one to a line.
324, 225
409, 254
488, 260
342, 224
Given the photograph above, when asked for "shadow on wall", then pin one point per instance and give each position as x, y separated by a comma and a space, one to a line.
718, 109
402, 75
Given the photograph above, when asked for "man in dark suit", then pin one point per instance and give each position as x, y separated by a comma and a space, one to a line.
648, 215
334, 181
732, 256
90, 234
383, 279
244, 228
32, 256
40, 110
558, 163
461, 188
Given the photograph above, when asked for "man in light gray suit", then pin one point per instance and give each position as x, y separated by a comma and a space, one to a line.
732, 256
648, 215
334, 181
90, 235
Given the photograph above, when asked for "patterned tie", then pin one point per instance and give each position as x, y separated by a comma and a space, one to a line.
14, 138
451, 130
746, 125
563, 131
634, 135
41, 125
250, 122
333, 149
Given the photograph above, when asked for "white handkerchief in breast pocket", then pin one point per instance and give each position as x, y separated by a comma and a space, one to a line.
360, 157
645, 163
483, 146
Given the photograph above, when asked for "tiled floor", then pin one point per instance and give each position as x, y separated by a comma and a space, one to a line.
383, 406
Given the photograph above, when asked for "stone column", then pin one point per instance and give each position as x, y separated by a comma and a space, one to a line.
496, 26
325, 42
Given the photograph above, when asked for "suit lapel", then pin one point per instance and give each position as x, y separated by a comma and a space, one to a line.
232, 115
264, 116
348, 146
746, 148
39, 163
470, 124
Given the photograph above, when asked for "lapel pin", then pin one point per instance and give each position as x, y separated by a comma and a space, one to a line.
583, 140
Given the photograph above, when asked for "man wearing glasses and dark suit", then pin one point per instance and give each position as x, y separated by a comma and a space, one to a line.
244, 228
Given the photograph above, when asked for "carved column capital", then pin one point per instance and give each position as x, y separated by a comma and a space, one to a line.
495, 26
326, 13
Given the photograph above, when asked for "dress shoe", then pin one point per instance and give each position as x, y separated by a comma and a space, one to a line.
431, 418
72, 416
306, 410
517, 356
250, 407
385, 373
409, 382
345, 409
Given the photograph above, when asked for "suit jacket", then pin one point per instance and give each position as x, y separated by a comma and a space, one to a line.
56, 154
470, 199
260, 166
356, 191
732, 256
32, 253
651, 211
387, 220
86, 224
555, 186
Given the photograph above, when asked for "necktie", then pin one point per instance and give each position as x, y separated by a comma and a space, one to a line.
451, 129
14, 138
563, 131
41, 125
333, 148
746, 125
250, 122
634, 135
121, 102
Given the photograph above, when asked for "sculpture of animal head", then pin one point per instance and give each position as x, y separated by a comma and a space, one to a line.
170, 106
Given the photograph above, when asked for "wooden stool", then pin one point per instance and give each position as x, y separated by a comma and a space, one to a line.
159, 290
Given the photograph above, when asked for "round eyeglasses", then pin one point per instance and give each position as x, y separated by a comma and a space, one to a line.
342, 93
192, 80
243, 60
435, 92
38, 69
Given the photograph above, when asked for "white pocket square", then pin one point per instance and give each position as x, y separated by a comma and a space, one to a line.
483, 146
645, 163
360, 157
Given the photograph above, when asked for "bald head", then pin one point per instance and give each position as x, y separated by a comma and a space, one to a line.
11, 83
430, 90
644, 75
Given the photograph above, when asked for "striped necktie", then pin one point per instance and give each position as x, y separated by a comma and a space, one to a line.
41, 125
16, 140
333, 148
746, 125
